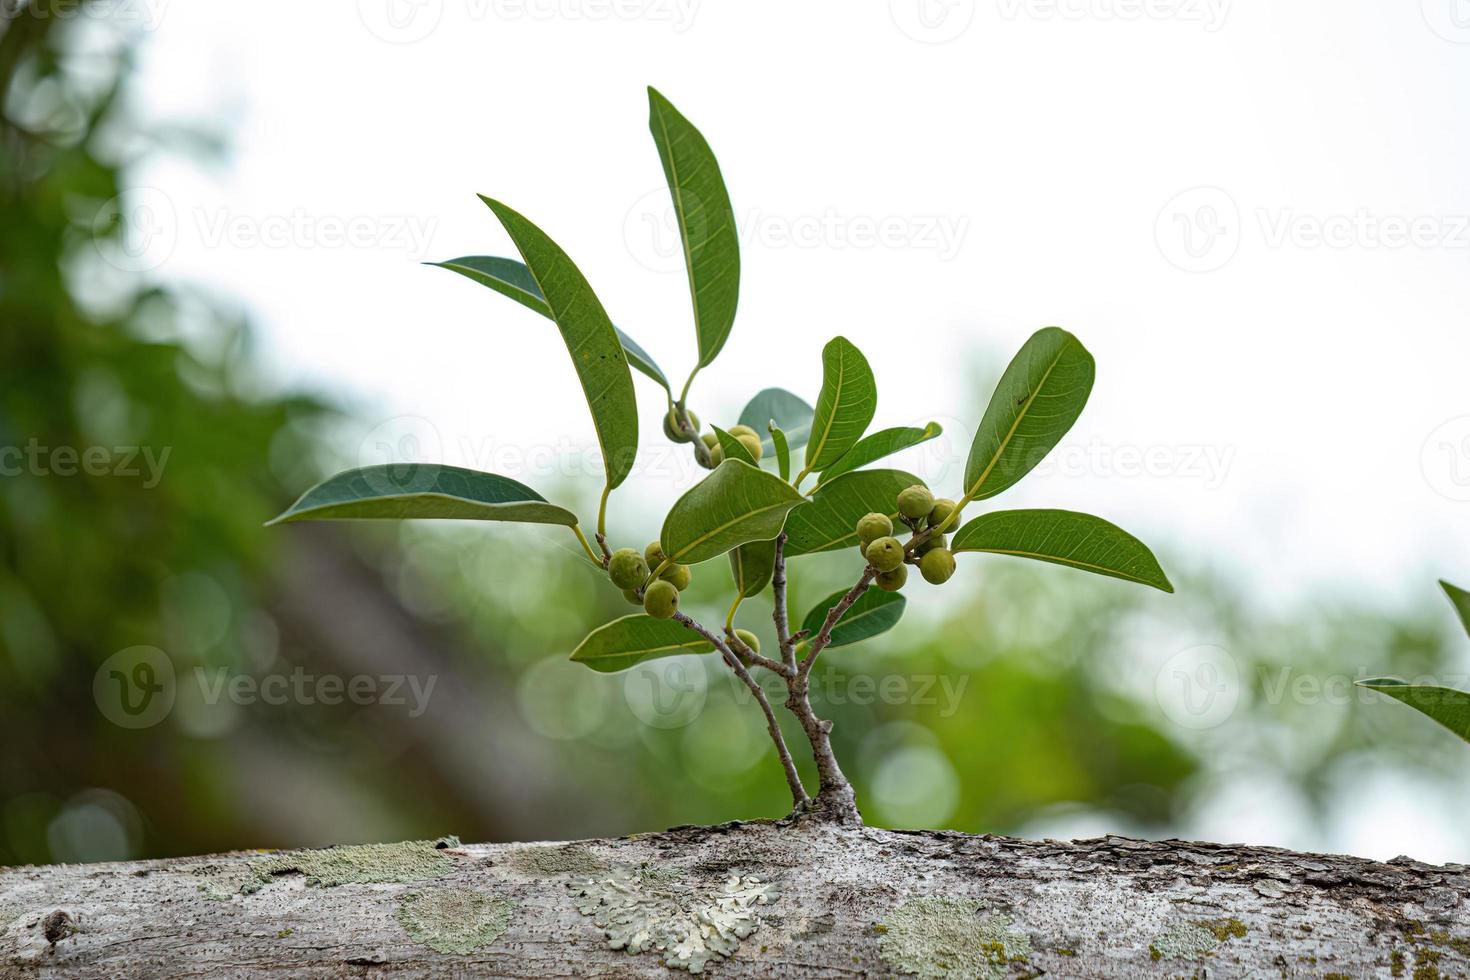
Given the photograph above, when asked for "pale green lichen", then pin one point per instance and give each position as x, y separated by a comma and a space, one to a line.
936, 938
222, 882
689, 921
454, 920
359, 864
1185, 941
550, 862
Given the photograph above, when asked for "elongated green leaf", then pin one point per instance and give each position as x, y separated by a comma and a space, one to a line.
1460, 599
874, 612
597, 353
753, 565
782, 450
790, 413
734, 505
424, 490
511, 278
706, 223
733, 447
884, 442
1066, 538
1039, 397
631, 640
844, 408
828, 520
1445, 705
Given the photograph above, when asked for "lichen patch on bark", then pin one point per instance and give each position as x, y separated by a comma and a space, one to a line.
550, 861
455, 919
937, 938
688, 920
357, 864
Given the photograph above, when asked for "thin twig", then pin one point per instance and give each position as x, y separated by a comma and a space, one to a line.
783, 622
824, 635
793, 779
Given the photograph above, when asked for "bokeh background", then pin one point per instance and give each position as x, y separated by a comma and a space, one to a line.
212, 219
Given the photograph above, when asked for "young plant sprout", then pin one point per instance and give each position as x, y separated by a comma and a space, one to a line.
751, 509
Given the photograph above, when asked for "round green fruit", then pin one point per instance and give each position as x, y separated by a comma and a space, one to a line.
894, 580
716, 455
661, 600
937, 566
654, 554
752, 444
678, 575
871, 527
672, 429
751, 641
916, 502
632, 596
885, 554
742, 430
935, 541
943, 507
627, 569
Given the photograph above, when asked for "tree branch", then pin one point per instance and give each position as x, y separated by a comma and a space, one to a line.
780, 615
824, 635
799, 795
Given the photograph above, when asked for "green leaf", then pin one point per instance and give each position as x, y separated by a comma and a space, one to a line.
790, 413
631, 640
1445, 705
1065, 538
597, 353
734, 505
1460, 599
828, 520
844, 408
872, 448
511, 278
706, 223
424, 490
734, 448
1039, 397
753, 565
874, 612
782, 450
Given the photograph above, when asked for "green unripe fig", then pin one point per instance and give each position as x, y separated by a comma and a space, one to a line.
627, 569
871, 527
710, 440
654, 554
672, 429
885, 554
752, 444
916, 502
716, 454
751, 641
661, 600
935, 541
678, 575
943, 507
632, 596
742, 430
937, 566
894, 580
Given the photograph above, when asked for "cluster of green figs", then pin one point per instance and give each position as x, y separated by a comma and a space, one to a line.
747, 437
629, 571
924, 515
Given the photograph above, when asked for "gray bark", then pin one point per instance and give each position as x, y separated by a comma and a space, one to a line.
816, 899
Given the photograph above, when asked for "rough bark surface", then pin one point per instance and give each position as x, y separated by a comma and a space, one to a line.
743, 900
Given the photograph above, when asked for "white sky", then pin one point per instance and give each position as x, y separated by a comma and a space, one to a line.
1155, 176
